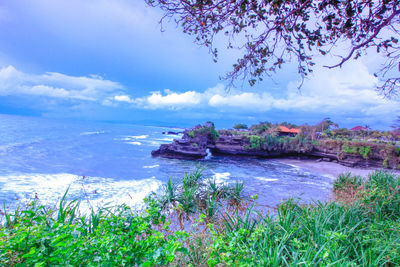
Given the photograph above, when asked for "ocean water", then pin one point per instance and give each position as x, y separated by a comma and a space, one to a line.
106, 164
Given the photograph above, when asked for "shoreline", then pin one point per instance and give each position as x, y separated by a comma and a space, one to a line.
329, 169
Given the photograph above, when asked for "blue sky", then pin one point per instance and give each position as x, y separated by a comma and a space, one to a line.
108, 60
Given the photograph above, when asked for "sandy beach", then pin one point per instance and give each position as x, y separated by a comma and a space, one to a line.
329, 168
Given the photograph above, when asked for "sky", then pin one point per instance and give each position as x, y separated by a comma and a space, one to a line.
108, 60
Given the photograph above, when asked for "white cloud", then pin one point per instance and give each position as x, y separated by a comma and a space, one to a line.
123, 98
55, 85
246, 101
172, 99
346, 91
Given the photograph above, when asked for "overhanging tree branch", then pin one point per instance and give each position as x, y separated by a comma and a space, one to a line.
272, 33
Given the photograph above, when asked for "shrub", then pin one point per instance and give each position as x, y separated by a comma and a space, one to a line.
208, 129
364, 151
350, 149
191, 134
383, 194
39, 236
255, 142
347, 180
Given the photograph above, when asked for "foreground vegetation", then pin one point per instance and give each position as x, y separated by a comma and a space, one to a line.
198, 222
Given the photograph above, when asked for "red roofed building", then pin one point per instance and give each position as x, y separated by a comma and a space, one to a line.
285, 131
359, 128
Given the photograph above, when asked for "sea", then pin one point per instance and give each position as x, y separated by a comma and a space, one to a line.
107, 164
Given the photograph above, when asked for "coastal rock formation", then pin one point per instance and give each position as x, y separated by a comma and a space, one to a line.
193, 145
196, 141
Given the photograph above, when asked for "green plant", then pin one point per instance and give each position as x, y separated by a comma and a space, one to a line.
350, 149
385, 162
255, 142
63, 237
191, 134
347, 180
236, 193
170, 193
365, 151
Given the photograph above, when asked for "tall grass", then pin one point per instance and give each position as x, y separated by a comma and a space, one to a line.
362, 233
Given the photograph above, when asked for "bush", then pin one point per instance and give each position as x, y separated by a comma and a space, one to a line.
350, 149
208, 129
347, 180
365, 151
255, 142
191, 134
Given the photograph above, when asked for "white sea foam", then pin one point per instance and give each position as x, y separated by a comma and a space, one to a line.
266, 179
330, 176
134, 143
92, 133
155, 143
130, 138
139, 136
94, 191
294, 166
221, 177
166, 139
151, 166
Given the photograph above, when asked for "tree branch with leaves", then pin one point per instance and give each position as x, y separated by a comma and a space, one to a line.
274, 32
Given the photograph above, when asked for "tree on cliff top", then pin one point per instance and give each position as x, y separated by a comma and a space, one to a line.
240, 126
273, 32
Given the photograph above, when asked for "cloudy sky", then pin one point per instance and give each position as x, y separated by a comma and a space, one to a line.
107, 60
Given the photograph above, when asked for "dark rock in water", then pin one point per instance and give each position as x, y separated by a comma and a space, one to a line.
327, 159
172, 133
175, 133
179, 151
319, 160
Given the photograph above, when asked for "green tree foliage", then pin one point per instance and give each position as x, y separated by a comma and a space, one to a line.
207, 129
288, 124
240, 126
272, 32
325, 124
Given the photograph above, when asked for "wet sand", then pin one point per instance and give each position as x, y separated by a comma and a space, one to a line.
328, 168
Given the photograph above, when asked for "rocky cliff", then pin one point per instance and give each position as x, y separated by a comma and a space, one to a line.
196, 141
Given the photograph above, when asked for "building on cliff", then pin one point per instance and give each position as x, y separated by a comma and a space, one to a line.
359, 128
284, 131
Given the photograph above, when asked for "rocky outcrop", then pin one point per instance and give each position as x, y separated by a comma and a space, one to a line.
196, 141
193, 145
